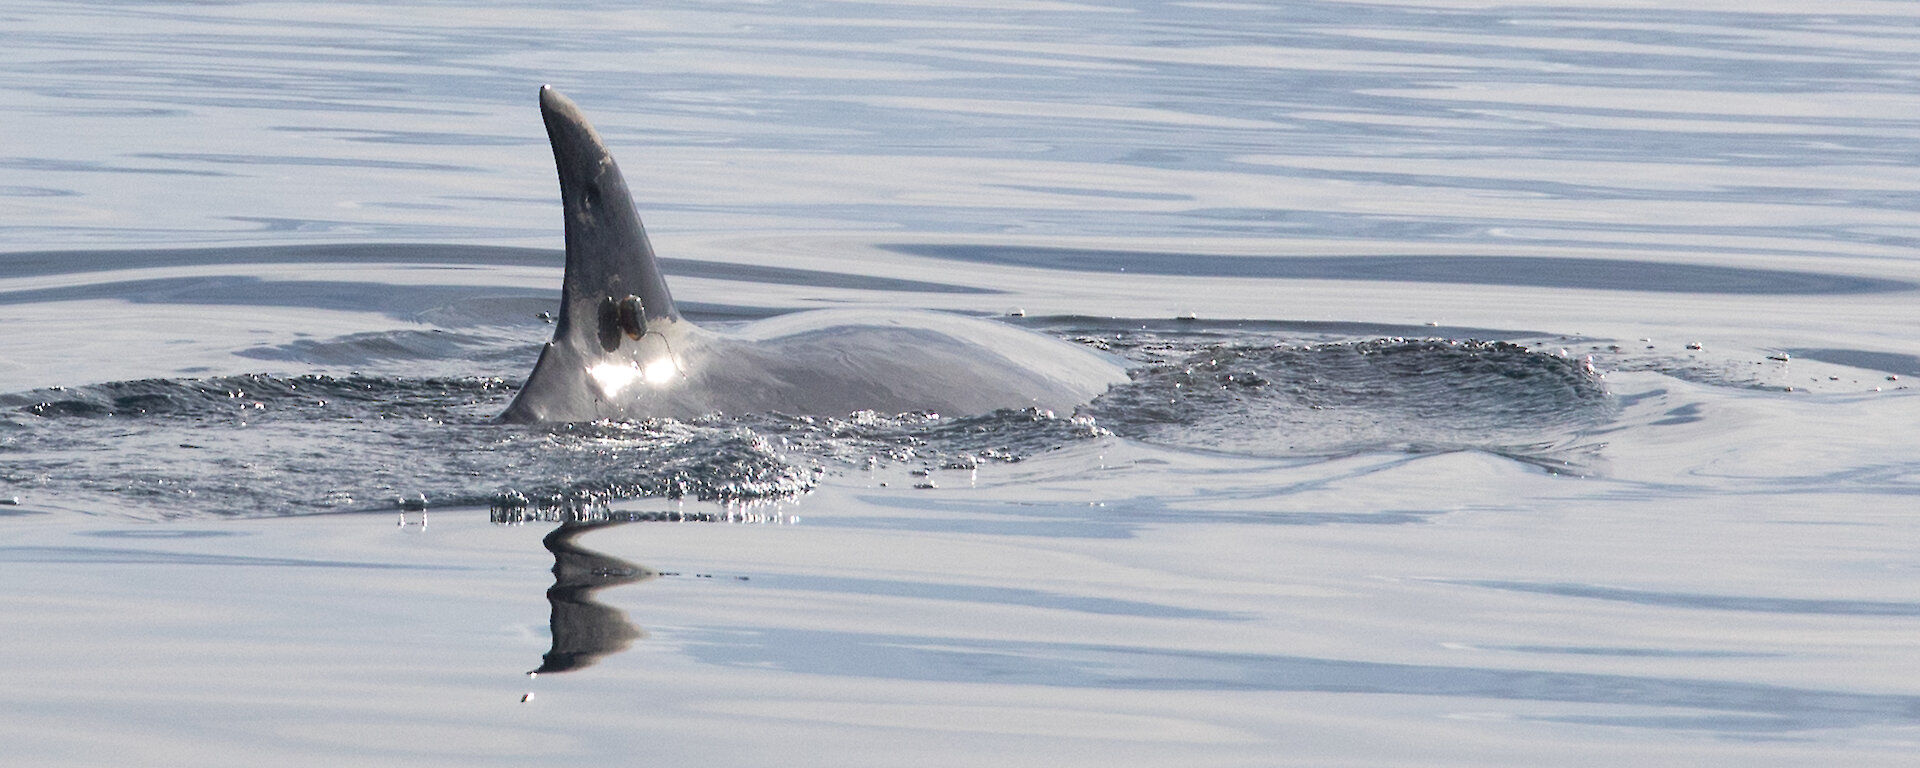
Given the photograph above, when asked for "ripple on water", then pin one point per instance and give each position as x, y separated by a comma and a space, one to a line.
268, 445
1337, 398
271, 445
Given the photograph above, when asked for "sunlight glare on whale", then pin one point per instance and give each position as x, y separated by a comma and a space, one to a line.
612, 378
660, 371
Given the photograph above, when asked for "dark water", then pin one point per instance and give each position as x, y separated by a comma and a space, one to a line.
1562, 272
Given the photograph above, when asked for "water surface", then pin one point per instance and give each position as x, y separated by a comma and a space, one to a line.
1511, 382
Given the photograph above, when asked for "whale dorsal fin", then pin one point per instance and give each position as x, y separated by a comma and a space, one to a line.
607, 250
613, 285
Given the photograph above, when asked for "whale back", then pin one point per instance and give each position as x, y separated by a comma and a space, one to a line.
833, 362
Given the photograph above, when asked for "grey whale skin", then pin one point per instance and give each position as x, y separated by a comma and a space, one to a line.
621, 351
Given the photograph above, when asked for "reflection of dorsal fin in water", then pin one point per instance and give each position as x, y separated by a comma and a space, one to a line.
585, 630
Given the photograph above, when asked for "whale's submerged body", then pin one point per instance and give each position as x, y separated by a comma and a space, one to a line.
620, 349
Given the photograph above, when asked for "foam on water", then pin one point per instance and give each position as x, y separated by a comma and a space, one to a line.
263, 445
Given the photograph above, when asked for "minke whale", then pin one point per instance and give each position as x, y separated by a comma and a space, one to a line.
621, 350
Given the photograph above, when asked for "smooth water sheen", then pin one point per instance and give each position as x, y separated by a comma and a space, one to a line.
1511, 384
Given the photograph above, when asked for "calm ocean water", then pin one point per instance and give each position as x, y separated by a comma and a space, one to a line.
1513, 383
